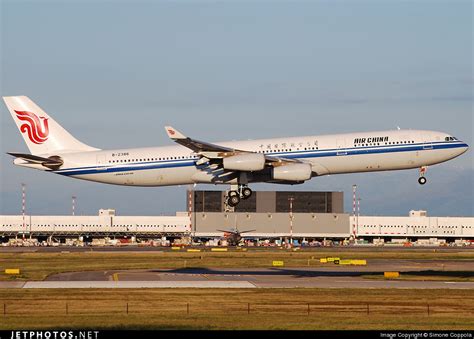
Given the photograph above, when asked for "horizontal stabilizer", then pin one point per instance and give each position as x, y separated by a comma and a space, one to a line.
50, 162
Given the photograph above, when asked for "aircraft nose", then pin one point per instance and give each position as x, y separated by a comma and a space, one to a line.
464, 148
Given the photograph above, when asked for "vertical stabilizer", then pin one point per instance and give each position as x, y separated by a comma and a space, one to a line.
41, 133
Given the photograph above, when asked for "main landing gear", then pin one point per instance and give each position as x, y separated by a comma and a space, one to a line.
422, 179
234, 196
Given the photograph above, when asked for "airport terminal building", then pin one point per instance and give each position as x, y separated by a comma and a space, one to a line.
267, 215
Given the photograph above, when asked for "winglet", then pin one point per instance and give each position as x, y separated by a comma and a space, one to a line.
173, 133
194, 145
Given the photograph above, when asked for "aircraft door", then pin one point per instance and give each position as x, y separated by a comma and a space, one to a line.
341, 147
101, 161
427, 142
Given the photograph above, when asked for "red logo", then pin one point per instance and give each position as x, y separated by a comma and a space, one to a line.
171, 132
37, 129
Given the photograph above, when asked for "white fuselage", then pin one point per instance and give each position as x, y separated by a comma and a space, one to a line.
328, 154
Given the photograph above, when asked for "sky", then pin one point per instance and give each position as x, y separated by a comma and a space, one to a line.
113, 73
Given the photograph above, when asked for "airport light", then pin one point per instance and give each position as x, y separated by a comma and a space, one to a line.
190, 212
290, 199
358, 213
73, 205
354, 188
23, 207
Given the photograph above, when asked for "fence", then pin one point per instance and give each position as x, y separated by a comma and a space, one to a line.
44, 307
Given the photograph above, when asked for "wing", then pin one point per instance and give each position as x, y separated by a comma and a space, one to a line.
212, 151
227, 231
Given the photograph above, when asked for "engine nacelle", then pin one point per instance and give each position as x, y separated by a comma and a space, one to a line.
292, 172
245, 162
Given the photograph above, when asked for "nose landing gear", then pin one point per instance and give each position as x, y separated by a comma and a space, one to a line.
422, 179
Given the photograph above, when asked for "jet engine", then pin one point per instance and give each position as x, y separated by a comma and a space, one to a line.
245, 162
292, 172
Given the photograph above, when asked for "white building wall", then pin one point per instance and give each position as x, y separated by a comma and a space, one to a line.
93, 224
83, 224
14, 223
140, 224
414, 226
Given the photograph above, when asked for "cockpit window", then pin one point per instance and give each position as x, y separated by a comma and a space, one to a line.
450, 139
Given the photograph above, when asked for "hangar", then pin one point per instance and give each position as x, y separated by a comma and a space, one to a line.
271, 214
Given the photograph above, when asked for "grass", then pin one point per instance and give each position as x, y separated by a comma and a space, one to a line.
228, 309
271, 309
37, 266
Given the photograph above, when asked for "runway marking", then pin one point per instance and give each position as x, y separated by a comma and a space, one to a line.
363, 281
138, 284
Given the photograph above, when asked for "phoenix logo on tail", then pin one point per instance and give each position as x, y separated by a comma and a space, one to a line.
37, 129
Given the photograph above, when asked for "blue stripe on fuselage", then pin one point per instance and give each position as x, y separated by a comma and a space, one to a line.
290, 155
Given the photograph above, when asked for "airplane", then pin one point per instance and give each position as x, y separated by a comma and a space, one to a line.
292, 160
233, 236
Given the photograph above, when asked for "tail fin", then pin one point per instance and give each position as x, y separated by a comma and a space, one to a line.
42, 134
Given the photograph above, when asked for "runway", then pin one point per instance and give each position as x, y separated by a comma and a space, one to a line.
332, 276
323, 282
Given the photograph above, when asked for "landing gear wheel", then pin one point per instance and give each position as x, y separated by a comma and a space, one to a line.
422, 180
233, 193
233, 200
246, 193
